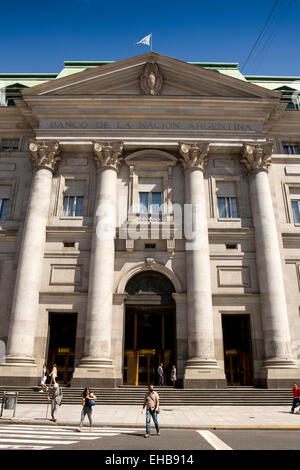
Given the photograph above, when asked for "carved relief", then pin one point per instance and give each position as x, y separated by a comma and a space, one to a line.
257, 157
44, 155
151, 80
194, 155
107, 154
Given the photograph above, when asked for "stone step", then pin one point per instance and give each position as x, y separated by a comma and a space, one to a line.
169, 396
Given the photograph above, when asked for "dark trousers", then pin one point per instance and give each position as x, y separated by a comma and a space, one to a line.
295, 403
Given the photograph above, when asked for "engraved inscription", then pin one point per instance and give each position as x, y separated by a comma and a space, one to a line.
152, 124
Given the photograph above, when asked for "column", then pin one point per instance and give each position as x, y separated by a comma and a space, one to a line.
20, 350
201, 368
97, 365
279, 364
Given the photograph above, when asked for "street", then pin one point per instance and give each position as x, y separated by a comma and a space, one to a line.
111, 439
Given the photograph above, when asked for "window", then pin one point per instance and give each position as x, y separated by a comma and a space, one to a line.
3, 208
227, 207
292, 105
9, 145
150, 199
73, 206
296, 211
227, 200
73, 198
150, 206
291, 149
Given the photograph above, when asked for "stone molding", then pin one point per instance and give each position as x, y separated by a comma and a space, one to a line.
257, 157
194, 155
107, 155
151, 80
44, 155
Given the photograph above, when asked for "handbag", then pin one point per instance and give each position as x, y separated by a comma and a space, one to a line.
89, 402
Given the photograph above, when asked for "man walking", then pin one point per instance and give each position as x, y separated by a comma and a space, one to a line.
55, 395
296, 396
151, 402
160, 371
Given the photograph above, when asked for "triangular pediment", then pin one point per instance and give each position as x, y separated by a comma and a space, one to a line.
123, 77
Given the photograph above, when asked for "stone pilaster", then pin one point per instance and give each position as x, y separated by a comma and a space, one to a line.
97, 366
201, 368
20, 363
279, 366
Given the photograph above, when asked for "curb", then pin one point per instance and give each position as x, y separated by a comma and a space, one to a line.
43, 422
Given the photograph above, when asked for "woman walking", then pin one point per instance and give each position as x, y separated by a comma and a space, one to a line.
44, 378
53, 374
88, 401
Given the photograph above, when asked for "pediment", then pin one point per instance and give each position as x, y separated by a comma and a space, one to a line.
124, 78
150, 158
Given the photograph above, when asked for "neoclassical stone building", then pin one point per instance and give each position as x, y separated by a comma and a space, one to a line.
149, 212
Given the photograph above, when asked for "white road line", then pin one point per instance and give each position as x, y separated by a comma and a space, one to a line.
38, 441
58, 433
214, 441
66, 428
38, 436
23, 447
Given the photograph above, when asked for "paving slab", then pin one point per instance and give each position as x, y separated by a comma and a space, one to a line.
197, 417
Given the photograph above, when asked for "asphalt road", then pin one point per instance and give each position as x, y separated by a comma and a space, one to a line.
118, 441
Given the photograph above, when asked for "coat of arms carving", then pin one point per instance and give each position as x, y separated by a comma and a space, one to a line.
151, 80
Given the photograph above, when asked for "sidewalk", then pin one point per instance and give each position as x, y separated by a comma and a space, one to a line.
189, 417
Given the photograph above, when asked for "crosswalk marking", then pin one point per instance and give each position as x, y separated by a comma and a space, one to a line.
214, 441
40, 437
38, 441
22, 447
82, 435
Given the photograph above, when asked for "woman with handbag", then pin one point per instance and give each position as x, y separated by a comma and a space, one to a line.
88, 401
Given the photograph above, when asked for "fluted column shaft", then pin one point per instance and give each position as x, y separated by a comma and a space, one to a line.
97, 351
257, 159
26, 294
199, 295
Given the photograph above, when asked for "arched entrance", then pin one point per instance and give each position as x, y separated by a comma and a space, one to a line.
150, 328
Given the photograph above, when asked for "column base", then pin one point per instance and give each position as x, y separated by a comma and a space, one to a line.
279, 373
94, 372
203, 373
21, 373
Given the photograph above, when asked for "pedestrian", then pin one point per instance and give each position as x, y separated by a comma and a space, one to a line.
88, 401
55, 396
296, 396
44, 378
160, 371
173, 375
53, 374
151, 402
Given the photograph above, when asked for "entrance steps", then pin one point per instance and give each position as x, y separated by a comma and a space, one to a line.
169, 396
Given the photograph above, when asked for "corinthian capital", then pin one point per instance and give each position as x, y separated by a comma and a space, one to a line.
257, 157
44, 155
194, 155
107, 154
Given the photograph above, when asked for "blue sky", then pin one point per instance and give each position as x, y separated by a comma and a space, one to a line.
39, 36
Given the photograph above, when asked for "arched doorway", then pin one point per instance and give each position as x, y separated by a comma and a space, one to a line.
150, 328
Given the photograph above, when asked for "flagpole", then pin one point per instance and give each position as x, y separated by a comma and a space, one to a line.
151, 41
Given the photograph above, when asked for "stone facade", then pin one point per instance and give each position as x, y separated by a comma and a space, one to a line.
206, 142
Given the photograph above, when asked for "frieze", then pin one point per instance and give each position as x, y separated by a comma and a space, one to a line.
147, 124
